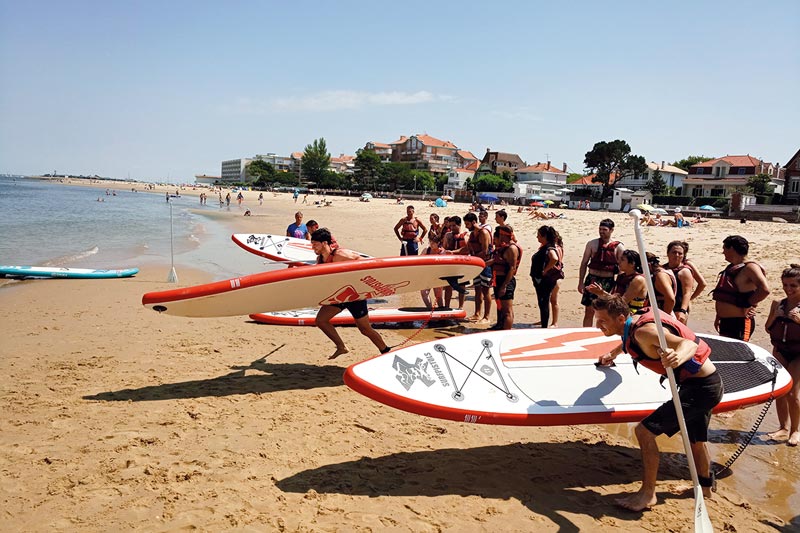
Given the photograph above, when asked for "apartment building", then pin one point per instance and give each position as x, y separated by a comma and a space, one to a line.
234, 170
423, 152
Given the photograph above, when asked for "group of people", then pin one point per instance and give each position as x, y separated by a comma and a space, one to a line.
615, 299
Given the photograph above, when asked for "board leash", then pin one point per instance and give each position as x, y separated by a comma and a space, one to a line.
750, 434
424, 326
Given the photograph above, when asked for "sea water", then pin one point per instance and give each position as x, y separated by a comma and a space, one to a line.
61, 225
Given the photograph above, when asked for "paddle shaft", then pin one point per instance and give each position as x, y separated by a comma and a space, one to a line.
702, 521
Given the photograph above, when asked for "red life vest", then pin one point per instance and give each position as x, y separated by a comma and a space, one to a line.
678, 285
475, 247
409, 229
673, 281
500, 267
785, 333
687, 369
605, 258
726, 290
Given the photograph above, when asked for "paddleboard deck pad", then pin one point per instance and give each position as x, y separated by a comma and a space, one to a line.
315, 285
279, 247
74, 273
380, 315
547, 377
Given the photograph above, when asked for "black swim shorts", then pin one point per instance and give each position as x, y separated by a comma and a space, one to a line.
698, 397
607, 284
740, 328
357, 309
510, 288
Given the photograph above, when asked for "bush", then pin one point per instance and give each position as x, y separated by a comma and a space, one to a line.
716, 201
672, 200
763, 199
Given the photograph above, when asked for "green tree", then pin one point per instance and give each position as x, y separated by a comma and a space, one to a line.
760, 184
656, 183
367, 168
689, 161
315, 161
491, 183
395, 175
573, 177
333, 180
615, 157
260, 172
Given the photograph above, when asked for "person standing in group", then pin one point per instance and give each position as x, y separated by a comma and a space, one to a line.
483, 216
312, 226
407, 230
630, 284
546, 270
684, 278
454, 239
783, 326
479, 244
601, 257
700, 388
500, 217
321, 244
504, 262
664, 284
555, 308
298, 230
434, 248
740, 287
436, 230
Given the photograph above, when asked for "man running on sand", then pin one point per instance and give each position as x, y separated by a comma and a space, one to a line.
321, 244
700, 388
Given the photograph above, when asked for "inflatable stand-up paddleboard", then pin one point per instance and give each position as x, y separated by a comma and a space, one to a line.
74, 273
547, 377
315, 285
380, 315
279, 247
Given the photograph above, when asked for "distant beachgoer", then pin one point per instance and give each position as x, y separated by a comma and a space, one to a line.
260, 198
407, 230
240, 198
228, 199
295, 195
167, 197
741, 286
601, 257
678, 218
321, 244
247, 213
305, 198
298, 230
783, 326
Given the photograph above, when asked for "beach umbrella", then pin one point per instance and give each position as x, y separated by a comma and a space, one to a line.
658, 211
367, 195
447, 197
535, 198
537, 204
440, 203
548, 202
708, 207
645, 207
487, 197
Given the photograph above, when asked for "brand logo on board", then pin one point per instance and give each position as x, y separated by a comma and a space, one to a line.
407, 373
348, 293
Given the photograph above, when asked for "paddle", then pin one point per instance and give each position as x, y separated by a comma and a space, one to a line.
702, 522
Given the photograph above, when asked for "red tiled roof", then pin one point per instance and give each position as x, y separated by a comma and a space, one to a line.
343, 159
587, 180
433, 141
733, 160
381, 145
467, 155
473, 166
297, 155
401, 140
542, 167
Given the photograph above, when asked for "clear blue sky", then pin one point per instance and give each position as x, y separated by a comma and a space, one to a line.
155, 89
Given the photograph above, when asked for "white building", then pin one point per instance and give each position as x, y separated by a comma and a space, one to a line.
672, 176
542, 179
234, 170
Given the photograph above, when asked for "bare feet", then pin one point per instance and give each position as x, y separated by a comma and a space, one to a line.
483, 320
339, 351
794, 440
473, 318
688, 490
638, 501
781, 434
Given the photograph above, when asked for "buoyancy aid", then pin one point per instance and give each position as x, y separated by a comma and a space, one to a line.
475, 246
320, 260
678, 285
636, 305
785, 332
409, 229
673, 281
726, 290
687, 369
540, 259
605, 258
500, 266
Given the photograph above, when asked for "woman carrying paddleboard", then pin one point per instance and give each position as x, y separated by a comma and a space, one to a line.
321, 241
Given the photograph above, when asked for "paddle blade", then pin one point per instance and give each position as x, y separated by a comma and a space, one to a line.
702, 522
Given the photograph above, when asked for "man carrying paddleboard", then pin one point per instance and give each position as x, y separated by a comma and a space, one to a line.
321, 244
700, 387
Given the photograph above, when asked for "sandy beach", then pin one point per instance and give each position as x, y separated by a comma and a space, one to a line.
117, 418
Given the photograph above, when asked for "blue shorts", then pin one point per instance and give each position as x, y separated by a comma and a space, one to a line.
410, 247
484, 279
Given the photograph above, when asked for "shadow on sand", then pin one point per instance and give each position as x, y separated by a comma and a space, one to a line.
517, 471
280, 377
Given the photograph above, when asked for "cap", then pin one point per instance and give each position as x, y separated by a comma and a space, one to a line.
677, 209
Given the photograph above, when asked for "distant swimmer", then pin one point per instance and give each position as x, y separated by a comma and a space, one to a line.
321, 244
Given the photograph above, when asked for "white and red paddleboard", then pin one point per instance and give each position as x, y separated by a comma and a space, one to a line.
546, 377
278, 247
315, 285
380, 315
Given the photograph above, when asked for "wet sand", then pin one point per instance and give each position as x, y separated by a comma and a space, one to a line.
115, 417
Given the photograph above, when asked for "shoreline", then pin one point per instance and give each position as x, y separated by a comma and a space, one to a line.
224, 423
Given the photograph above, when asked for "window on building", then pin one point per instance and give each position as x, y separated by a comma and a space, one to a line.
741, 171
700, 170
796, 186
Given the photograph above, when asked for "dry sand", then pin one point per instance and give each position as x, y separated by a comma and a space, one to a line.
117, 418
